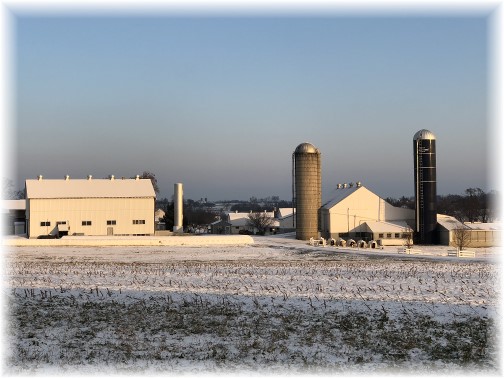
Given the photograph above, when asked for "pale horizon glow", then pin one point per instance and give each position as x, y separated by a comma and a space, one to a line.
220, 103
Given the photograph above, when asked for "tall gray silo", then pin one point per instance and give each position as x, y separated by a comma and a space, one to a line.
306, 190
424, 145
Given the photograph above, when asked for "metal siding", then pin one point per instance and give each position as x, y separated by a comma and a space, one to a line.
96, 210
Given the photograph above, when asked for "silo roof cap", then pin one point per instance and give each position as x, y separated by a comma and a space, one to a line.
306, 148
424, 134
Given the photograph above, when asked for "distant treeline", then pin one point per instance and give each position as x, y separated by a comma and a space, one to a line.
473, 206
202, 212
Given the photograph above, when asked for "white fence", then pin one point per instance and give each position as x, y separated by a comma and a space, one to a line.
410, 251
462, 253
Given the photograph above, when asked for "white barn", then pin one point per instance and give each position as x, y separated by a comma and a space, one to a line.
356, 212
89, 207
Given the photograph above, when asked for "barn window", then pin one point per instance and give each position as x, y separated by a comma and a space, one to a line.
380, 235
397, 236
45, 224
86, 223
389, 235
139, 221
61, 222
111, 222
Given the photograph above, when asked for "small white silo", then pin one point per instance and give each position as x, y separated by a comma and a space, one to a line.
178, 193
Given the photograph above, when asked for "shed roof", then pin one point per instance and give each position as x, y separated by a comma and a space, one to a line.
382, 227
90, 188
14, 204
485, 226
449, 223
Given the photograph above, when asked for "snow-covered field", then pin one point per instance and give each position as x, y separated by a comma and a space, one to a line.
278, 305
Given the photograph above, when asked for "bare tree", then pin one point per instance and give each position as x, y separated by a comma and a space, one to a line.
408, 237
260, 220
461, 237
152, 177
472, 204
8, 191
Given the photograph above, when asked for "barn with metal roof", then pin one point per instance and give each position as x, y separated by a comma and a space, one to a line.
89, 206
354, 211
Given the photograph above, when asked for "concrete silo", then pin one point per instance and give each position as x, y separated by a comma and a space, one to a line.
424, 152
306, 190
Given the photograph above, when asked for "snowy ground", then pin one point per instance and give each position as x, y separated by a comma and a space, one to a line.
278, 305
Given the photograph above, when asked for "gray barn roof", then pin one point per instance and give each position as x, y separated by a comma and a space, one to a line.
91, 188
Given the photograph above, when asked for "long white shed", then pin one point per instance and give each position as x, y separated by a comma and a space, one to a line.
89, 206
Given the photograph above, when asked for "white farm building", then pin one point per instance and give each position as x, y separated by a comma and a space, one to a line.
356, 212
89, 207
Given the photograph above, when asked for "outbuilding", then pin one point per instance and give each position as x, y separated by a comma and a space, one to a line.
89, 207
13, 212
286, 218
476, 234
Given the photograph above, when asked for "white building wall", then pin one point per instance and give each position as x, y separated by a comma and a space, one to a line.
350, 213
97, 210
288, 222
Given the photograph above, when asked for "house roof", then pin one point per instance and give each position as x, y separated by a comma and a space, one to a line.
340, 195
234, 216
242, 219
90, 188
220, 221
239, 222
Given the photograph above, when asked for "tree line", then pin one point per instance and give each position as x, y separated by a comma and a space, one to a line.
474, 205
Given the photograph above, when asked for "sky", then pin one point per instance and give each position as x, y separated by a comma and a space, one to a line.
219, 102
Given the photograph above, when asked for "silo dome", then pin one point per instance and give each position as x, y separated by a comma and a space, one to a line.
306, 148
424, 134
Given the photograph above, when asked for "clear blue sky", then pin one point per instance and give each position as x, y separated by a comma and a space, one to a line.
220, 103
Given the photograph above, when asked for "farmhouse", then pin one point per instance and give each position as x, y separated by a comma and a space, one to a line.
89, 207
238, 223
